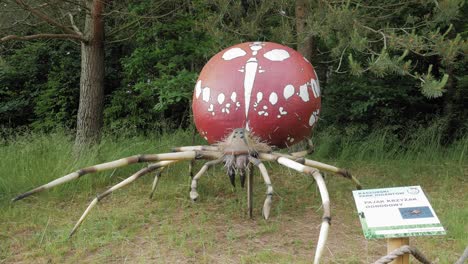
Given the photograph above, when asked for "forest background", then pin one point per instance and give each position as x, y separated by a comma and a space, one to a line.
397, 66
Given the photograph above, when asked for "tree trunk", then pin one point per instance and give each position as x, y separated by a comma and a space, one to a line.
304, 41
91, 104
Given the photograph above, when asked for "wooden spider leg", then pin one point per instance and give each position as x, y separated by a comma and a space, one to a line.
242, 177
318, 165
191, 165
310, 149
250, 190
206, 166
330, 168
326, 219
123, 183
266, 179
156, 180
192, 148
186, 155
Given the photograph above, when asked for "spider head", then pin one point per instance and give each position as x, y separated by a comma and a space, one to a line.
242, 142
236, 143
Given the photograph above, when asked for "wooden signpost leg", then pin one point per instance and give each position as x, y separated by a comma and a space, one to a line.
394, 243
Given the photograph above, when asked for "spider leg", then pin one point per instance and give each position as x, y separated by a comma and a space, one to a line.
232, 176
155, 181
192, 148
186, 155
326, 219
206, 166
300, 154
266, 179
191, 165
123, 183
315, 164
330, 168
242, 177
250, 191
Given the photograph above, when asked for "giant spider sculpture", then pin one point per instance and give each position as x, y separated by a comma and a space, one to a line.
242, 137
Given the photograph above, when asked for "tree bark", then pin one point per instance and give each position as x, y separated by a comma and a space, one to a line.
91, 104
304, 41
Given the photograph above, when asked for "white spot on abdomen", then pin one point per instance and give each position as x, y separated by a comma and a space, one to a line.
315, 88
259, 97
226, 108
198, 89
316, 78
233, 53
255, 47
303, 93
281, 112
206, 94
313, 118
233, 97
273, 98
221, 98
288, 91
277, 55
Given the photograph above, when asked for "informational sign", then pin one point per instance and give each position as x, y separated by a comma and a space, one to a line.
396, 212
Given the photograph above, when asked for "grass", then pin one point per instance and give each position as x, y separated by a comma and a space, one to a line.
127, 226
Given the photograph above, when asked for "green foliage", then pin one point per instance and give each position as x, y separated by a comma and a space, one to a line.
57, 102
401, 63
384, 32
232, 22
22, 75
431, 87
360, 105
39, 85
354, 66
159, 75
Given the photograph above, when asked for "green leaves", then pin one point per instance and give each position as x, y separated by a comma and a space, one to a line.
159, 75
174, 89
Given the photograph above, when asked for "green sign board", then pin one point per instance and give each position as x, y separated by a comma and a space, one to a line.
396, 212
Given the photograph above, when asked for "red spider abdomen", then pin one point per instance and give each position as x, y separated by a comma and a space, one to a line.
267, 88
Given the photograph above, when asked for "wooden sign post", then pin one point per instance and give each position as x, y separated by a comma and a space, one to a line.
394, 243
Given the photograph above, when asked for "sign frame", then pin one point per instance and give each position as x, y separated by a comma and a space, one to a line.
396, 212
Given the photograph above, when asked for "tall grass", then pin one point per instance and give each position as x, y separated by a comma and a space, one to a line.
32, 159
424, 145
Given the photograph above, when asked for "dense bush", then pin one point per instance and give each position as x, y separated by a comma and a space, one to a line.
23, 74
360, 105
159, 76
